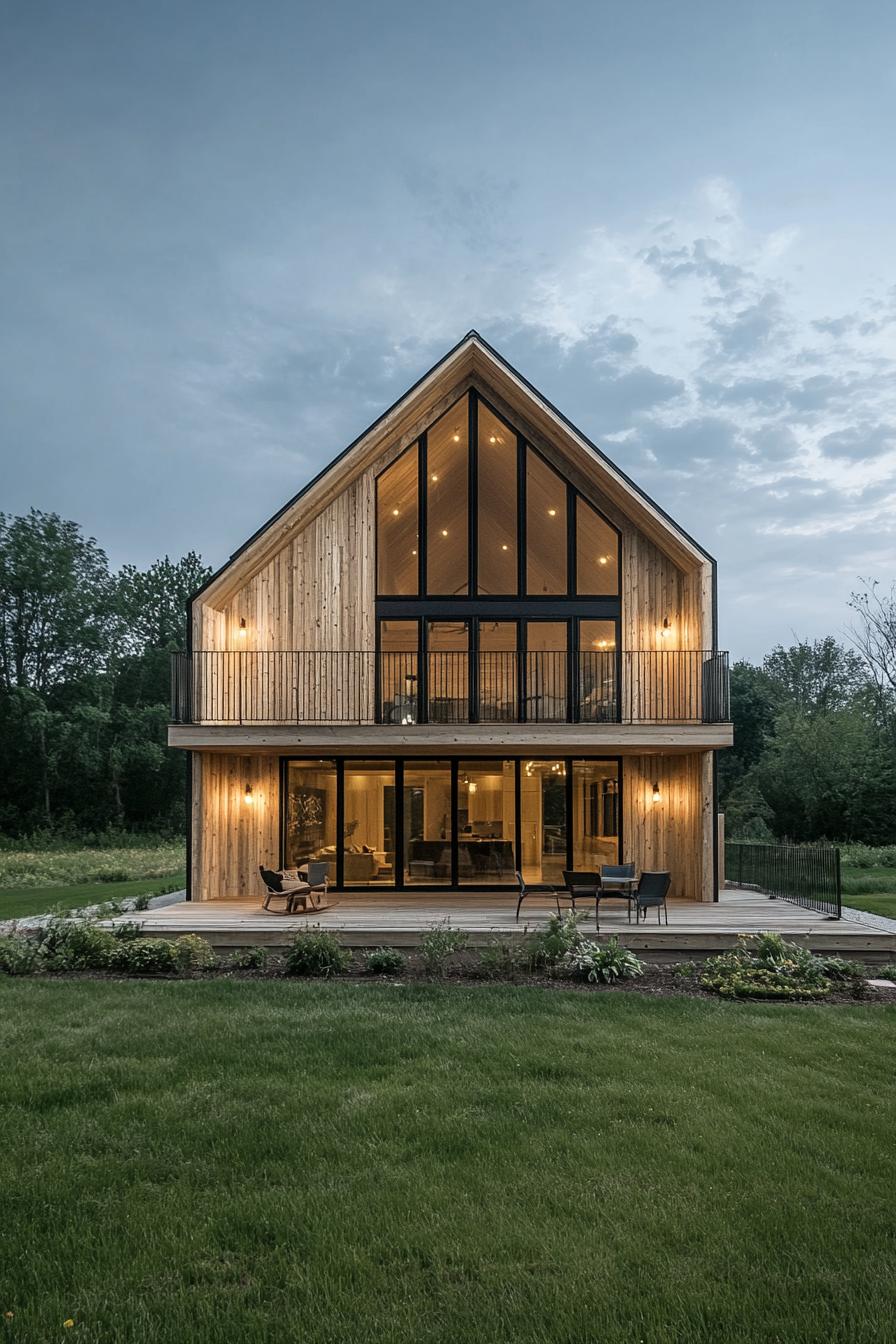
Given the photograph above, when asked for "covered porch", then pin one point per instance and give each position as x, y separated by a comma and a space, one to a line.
398, 919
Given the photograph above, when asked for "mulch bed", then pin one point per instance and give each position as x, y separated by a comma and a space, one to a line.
658, 981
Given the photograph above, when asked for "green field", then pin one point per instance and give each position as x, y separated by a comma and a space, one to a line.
872, 889
22, 901
239, 1160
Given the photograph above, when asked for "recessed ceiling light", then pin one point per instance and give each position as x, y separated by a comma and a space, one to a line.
552, 513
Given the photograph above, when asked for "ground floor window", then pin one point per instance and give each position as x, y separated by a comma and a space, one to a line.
452, 822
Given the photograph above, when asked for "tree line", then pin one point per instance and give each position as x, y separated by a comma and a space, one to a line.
84, 703
84, 685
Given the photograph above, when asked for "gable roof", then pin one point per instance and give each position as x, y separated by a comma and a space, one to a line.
471, 356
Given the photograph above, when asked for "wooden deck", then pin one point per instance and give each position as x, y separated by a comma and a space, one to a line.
399, 920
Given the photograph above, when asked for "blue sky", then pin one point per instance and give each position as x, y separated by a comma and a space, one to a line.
234, 233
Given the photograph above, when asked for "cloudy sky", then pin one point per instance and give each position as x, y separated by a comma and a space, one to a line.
233, 233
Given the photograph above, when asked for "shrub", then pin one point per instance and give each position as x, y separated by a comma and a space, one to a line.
838, 968
685, 969
548, 946
141, 902
439, 946
18, 955
144, 956
313, 952
384, 961
125, 931
501, 959
75, 945
869, 856
887, 972
602, 962
113, 875
248, 959
193, 953
765, 966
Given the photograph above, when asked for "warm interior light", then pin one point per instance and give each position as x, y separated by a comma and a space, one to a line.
601, 643
434, 476
552, 513
492, 439
413, 552
471, 787
248, 796
504, 547
602, 560
656, 793
667, 628
456, 438
444, 531
394, 513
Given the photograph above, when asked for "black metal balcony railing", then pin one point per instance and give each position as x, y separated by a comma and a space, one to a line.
361, 687
807, 875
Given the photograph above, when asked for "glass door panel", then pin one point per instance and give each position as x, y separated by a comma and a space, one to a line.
498, 672
546, 672
368, 844
428, 831
486, 822
398, 671
448, 671
595, 814
543, 820
597, 672
310, 814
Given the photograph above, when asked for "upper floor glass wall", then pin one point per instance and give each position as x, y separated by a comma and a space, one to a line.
455, 511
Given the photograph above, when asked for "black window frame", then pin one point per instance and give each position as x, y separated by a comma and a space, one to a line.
398, 764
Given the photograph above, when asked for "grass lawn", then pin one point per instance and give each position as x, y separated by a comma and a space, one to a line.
355, 1162
21, 901
872, 889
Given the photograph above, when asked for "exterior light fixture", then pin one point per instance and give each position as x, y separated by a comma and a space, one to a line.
656, 792
242, 629
248, 796
667, 628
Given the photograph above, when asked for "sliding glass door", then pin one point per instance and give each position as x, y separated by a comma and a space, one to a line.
468, 823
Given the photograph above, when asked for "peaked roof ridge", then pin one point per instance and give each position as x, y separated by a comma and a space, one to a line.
471, 338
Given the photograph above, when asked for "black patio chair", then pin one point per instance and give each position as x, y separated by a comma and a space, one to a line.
652, 890
582, 887
535, 889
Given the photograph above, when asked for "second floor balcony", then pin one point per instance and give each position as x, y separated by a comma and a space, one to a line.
274, 687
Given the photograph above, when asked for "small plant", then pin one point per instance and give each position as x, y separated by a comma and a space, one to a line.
838, 968
548, 946
313, 952
685, 970
384, 961
193, 953
439, 946
141, 902
18, 955
248, 959
125, 931
75, 945
602, 963
887, 972
765, 966
501, 959
144, 956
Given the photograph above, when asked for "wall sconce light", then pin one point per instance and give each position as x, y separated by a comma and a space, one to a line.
242, 630
471, 787
248, 796
667, 628
656, 792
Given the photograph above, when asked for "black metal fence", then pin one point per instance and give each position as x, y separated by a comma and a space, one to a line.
270, 686
808, 875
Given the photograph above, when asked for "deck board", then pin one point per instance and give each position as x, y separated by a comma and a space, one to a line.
365, 920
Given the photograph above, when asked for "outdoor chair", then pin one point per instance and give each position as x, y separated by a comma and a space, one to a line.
652, 891
582, 887
278, 887
535, 889
611, 873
